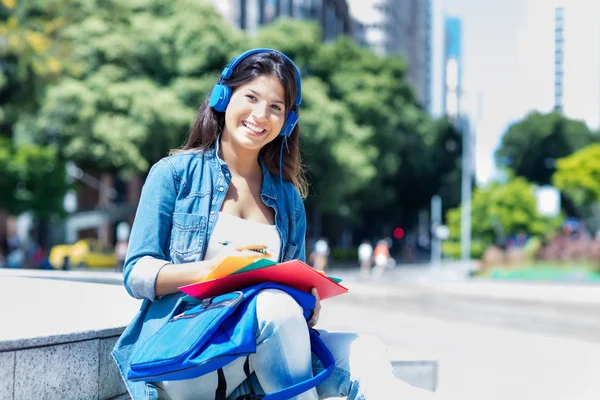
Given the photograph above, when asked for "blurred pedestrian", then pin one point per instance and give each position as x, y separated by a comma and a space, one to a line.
121, 253
381, 256
365, 257
16, 258
320, 254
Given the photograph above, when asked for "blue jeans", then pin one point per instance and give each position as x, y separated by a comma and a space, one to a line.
283, 357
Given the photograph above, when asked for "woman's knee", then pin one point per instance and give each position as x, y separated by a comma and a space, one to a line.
277, 309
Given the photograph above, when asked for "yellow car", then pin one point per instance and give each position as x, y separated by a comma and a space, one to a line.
85, 253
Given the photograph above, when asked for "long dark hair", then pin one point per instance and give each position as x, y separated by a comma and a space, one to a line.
209, 123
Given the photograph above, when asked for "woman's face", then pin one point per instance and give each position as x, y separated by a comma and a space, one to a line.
256, 113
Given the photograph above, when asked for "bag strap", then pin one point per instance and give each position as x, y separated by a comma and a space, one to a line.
221, 392
323, 353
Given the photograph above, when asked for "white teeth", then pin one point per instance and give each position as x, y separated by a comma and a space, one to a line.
253, 128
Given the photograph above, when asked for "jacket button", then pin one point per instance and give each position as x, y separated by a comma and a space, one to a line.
220, 188
212, 213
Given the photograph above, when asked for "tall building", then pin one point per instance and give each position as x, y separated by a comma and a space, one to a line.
435, 55
453, 87
396, 27
249, 15
559, 40
453, 67
560, 58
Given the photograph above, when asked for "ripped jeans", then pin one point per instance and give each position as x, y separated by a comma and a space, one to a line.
283, 357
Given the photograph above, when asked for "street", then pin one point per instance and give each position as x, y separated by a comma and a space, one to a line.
492, 340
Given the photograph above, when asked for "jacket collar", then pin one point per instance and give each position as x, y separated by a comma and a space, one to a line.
269, 188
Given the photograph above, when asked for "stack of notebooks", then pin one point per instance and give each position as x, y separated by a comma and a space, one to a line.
236, 273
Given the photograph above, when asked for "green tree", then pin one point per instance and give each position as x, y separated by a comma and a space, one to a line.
137, 70
32, 176
578, 177
33, 179
337, 151
33, 54
530, 147
8, 180
411, 158
41, 181
366, 139
147, 65
499, 210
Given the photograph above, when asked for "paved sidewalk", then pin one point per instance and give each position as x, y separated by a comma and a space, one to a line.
477, 361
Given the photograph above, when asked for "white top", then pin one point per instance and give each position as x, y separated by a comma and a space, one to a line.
365, 251
241, 232
321, 247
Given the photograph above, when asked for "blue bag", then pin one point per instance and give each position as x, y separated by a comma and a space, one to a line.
202, 336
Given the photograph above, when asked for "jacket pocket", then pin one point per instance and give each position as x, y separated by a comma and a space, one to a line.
187, 234
290, 251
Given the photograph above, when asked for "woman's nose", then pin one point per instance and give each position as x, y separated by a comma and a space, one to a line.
259, 112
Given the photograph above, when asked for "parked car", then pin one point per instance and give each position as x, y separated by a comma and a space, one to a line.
85, 253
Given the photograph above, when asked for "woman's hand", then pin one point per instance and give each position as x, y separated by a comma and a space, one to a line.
315, 317
234, 251
171, 277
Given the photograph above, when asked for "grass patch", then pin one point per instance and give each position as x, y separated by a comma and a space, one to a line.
545, 272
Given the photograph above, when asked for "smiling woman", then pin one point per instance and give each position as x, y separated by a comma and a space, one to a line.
239, 180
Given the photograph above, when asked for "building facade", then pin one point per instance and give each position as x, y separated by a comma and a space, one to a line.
453, 67
560, 53
333, 15
435, 56
559, 40
396, 27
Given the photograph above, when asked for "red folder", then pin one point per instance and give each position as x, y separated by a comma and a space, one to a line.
295, 274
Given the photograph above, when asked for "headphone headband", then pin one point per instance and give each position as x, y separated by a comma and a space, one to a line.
228, 70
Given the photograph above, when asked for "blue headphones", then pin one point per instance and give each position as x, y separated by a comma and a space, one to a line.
221, 93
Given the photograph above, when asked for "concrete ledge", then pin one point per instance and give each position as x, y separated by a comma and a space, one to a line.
422, 374
76, 370
57, 336
90, 276
41, 312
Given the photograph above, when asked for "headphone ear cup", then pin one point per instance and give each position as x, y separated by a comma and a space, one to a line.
219, 97
290, 124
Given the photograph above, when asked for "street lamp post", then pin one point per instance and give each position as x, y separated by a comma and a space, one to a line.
465, 196
454, 94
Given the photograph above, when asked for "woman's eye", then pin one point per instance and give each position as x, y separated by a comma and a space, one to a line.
276, 107
249, 96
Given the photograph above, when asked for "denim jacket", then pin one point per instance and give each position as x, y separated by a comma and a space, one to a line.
177, 212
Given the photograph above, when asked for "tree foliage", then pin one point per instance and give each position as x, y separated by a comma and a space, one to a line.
578, 176
499, 210
129, 76
366, 140
33, 179
147, 65
337, 151
531, 147
32, 54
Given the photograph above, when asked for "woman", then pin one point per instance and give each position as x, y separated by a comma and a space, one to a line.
238, 182
381, 256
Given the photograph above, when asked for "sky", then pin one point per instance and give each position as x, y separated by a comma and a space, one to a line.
508, 65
